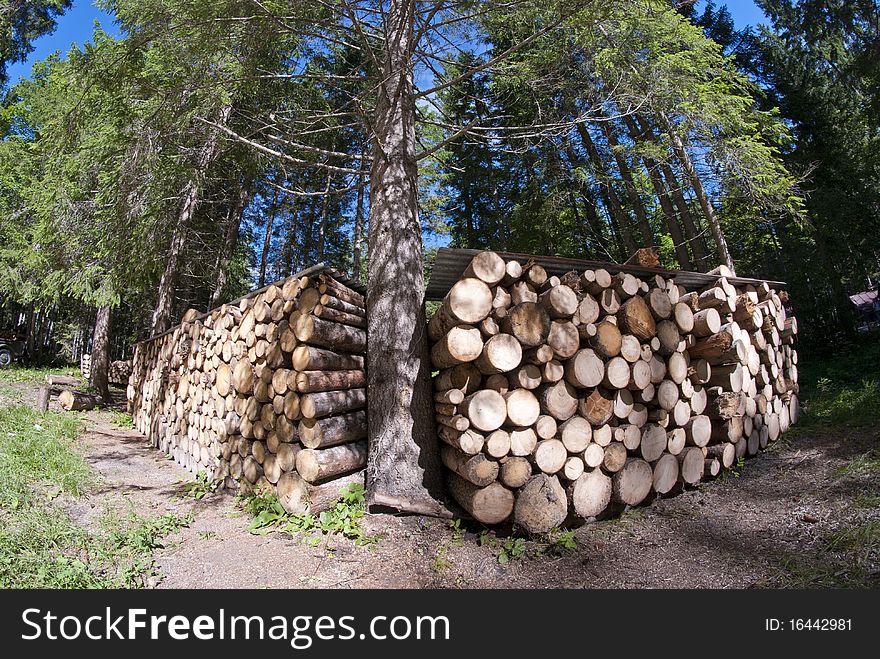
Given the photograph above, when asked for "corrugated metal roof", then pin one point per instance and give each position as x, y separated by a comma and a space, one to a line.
318, 268
451, 263
864, 300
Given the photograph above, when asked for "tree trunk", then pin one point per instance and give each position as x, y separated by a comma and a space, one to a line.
618, 217
267, 239
702, 197
358, 237
629, 184
233, 225
322, 227
403, 467
190, 194
681, 250
101, 353
698, 246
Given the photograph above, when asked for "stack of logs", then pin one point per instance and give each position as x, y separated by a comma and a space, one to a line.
586, 393
265, 393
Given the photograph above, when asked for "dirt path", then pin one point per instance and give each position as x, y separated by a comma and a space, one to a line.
768, 527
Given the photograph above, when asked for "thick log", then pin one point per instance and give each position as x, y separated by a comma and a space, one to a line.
313, 406
659, 303
550, 456
528, 322
593, 455
328, 334
706, 322
635, 318
585, 369
523, 441
559, 400
588, 310
310, 358
468, 302
525, 377
698, 430
546, 426
597, 407
465, 377
632, 484
459, 345
653, 442
501, 353
560, 302
469, 441
78, 401
476, 469
330, 431
670, 339
563, 339
486, 410
615, 457
515, 471
243, 378
591, 494
490, 505
684, 318
541, 505
675, 440
316, 465
665, 474
617, 373
498, 443
576, 434
298, 497
62, 381
523, 408
313, 381
690, 463
607, 341
488, 267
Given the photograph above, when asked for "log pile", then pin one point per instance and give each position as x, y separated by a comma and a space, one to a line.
585, 393
268, 392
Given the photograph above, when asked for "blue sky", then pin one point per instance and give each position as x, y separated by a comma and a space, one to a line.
76, 27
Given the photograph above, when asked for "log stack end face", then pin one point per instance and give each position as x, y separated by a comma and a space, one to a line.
592, 391
253, 390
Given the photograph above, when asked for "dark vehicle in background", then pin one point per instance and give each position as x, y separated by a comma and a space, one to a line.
12, 348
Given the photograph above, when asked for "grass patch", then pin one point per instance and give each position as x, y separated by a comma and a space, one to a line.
344, 519
121, 419
40, 546
862, 539
864, 465
23, 375
842, 389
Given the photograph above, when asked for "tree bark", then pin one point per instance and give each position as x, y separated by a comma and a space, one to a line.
618, 217
232, 227
681, 249
358, 237
629, 184
697, 185
403, 468
267, 239
101, 353
190, 194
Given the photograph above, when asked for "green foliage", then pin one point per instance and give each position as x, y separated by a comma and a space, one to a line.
841, 389
120, 419
561, 542
456, 528
201, 487
510, 549
344, 519
23, 22
40, 546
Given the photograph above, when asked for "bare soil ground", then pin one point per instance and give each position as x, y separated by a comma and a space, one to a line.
792, 518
